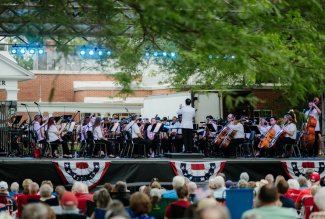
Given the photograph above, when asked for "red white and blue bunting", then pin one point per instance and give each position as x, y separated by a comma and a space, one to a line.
197, 171
87, 172
296, 168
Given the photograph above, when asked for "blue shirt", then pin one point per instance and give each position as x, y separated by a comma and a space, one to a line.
170, 194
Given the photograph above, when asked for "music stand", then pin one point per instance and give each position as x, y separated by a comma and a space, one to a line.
255, 128
247, 129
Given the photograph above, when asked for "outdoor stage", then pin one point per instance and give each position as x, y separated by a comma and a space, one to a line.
136, 171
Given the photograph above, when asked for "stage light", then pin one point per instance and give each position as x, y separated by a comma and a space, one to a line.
147, 54
109, 53
217, 57
91, 52
164, 54
100, 53
31, 51
210, 57
22, 51
40, 51
155, 54
232, 56
14, 51
172, 54
225, 56
82, 52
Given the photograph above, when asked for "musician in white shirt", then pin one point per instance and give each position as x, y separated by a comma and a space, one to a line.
54, 137
153, 140
39, 129
100, 139
188, 113
290, 130
175, 135
238, 138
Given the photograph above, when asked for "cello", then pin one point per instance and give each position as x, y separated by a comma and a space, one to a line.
219, 138
309, 135
265, 142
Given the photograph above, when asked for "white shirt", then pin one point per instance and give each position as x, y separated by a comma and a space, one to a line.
188, 114
314, 114
175, 127
37, 128
291, 128
276, 128
53, 133
239, 128
97, 132
133, 128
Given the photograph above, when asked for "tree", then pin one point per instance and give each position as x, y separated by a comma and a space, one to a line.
276, 41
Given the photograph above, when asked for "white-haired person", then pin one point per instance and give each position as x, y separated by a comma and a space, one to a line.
178, 181
81, 192
294, 189
217, 185
270, 178
14, 189
244, 176
320, 203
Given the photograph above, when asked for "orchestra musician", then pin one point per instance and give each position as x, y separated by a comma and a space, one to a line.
134, 129
175, 135
83, 135
152, 137
315, 112
39, 128
207, 135
238, 138
188, 113
290, 133
263, 126
100, 139
55, 139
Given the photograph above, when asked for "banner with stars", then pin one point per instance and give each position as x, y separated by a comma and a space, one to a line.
87, 172
296, 168
197, 171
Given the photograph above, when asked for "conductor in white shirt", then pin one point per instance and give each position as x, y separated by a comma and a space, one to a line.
188, 114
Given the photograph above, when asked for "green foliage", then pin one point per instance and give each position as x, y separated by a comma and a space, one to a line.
275, 41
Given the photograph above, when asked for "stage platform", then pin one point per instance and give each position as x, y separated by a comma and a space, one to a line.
138, 170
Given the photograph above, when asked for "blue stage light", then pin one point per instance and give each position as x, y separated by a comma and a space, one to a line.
14, 51
164, 54
210, 56
172, 54
91, 52
22, 51
147, 54
31, 51
217, 57
82, 52
109, 53
155, 54
40, 51
232, 56
100, 52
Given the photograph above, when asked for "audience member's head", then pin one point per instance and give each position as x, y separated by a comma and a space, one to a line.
293, 184
282, 187
191, 187
102, 198
213, 212
69, 201
268, 194
25, 185
3, 187
269, 178
33, 188
182, 192
302, 181
14, 187
319, 199
278, 178
46, 191
49, 182
59, 190
120, 186
108, 187
37, 211
178, 181
206, 202
223, 176
140, 203
314, 178
251, 184
242, 184
155, 185
217, 183
244, 176
155, 195
79, 187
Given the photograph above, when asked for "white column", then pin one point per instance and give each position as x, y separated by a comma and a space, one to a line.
12, 94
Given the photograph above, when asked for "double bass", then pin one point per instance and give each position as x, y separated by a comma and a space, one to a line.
309, 135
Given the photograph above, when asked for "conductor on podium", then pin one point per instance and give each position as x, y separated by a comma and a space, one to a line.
188, 114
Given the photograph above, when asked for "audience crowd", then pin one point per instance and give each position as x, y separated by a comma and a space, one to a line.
273, 198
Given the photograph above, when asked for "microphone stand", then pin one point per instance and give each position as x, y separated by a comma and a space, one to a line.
38, 108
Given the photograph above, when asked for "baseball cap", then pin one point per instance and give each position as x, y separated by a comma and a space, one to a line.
314, 177
3, 185
69, 199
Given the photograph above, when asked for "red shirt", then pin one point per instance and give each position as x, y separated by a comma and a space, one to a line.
22, 200
181, 203
83, 199
302, 194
